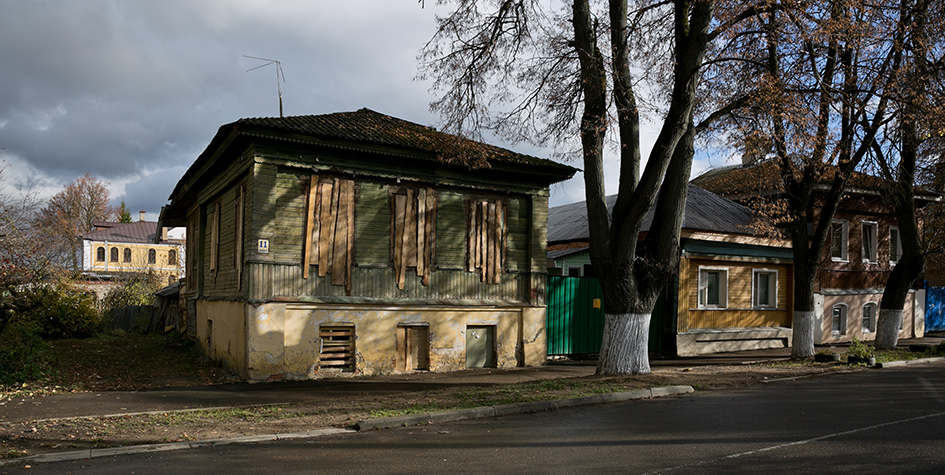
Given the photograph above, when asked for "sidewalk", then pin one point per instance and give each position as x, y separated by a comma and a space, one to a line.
243, 394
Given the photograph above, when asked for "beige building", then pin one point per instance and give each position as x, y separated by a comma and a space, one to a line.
111, 250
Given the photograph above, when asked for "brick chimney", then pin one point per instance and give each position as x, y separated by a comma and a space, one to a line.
141, 215
163, 233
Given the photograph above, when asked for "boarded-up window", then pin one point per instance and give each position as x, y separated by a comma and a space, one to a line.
337, 347
329, 229
486, 236
413, 232
214, 236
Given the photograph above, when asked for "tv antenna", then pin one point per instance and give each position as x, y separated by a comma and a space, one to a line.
280, 76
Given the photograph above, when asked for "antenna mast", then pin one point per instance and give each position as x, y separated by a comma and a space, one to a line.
280, 76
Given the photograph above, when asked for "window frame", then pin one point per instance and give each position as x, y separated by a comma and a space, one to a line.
772, 285
172, 257
898, 243
113, 254
152, 256
126, 255
702, 298
872, 327
100, 254
863, 251
844, 313
845, 242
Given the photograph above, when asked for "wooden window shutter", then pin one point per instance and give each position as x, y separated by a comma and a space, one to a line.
413, 232
238, 238
214, 236
329, 229
486, 236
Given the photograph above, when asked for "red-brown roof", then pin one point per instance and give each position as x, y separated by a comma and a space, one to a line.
138, 232
763, 178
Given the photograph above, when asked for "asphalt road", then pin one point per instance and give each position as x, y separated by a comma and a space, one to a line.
882, 421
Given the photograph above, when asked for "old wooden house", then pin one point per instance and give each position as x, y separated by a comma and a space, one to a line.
862, 248
732, 290
360, 243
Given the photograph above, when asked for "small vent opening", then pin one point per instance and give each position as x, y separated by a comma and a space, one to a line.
337, 348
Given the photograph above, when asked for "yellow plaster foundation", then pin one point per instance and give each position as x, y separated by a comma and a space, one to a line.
283, 342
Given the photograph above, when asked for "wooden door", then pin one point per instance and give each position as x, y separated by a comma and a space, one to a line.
417, 348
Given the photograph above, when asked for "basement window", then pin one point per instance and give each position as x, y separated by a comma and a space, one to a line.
337, 348
838, 320
869, 318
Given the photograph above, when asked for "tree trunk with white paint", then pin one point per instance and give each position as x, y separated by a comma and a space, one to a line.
625, 344
887, 328
802, 345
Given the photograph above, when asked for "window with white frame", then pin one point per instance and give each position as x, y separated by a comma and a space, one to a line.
764, 288
713, 287
869, 240
869, 318
838, 320
895, 245
839, 233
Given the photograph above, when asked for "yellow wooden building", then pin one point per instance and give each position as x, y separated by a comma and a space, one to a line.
112, 250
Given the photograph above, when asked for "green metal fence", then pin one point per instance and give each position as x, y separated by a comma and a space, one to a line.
574, 326
575, 317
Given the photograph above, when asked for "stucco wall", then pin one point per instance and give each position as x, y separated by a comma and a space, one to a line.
139, 258
227, 343
854, 304
283, 340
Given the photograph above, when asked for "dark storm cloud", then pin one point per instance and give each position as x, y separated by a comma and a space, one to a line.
132, 91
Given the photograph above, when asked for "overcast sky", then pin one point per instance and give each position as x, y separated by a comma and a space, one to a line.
133, 91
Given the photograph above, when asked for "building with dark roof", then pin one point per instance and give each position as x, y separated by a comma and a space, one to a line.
357, 242
860, 253
732, 289
113, 250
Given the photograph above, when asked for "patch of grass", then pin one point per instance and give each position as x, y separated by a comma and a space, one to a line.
121, 361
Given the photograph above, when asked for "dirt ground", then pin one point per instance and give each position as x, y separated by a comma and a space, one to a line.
27, 438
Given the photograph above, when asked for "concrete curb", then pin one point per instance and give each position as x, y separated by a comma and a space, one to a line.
150, 448
519, 408
895, 364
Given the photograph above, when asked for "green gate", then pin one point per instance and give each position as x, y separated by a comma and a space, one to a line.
575, 318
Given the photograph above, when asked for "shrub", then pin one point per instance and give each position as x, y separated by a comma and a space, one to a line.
860, 350
23, 354
138, 290
57, 310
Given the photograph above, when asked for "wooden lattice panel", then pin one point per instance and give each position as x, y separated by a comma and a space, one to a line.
337, 348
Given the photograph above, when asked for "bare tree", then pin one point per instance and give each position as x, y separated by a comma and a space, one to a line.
821, 78
911, 142
23, 254
71, 213
525, 71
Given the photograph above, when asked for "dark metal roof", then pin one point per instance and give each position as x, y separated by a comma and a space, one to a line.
705, 211
368, 126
